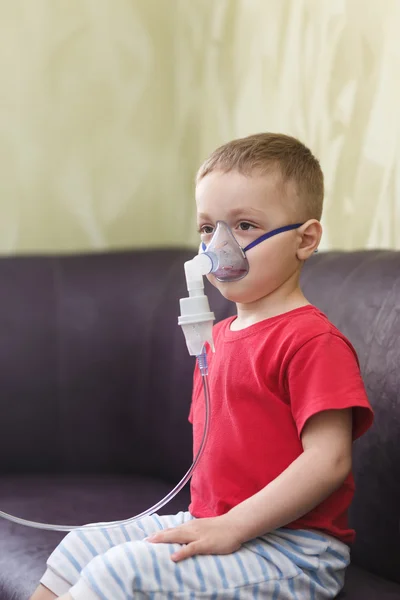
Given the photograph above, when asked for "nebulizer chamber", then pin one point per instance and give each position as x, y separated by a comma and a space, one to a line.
196, 321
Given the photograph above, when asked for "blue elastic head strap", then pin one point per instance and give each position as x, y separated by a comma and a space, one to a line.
266, 236
270, 234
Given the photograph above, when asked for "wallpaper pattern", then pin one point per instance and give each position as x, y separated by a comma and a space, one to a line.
109, 106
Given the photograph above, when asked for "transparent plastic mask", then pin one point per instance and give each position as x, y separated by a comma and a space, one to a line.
228, 257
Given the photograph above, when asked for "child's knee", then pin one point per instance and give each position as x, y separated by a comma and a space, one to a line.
139, 566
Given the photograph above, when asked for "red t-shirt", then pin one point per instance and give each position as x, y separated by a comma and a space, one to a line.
265, 382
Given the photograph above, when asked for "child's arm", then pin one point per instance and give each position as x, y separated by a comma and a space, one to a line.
310, 479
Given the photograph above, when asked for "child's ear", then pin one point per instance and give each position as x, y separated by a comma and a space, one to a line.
310, 233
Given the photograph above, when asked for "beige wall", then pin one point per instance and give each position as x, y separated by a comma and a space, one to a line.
108, 106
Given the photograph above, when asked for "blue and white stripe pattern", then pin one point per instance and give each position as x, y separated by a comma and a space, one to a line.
118, 564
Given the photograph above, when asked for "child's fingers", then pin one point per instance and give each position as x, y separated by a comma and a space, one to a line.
171, 536
187, 551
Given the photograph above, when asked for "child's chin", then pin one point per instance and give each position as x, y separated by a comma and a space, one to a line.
232, 291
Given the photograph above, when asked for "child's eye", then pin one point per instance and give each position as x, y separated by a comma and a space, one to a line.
244, 226
206, 229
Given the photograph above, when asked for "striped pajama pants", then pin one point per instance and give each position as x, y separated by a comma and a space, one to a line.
117, 563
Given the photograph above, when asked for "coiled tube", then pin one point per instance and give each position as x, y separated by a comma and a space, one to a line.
202, 363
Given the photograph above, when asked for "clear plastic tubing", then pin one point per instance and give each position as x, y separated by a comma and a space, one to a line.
202, 363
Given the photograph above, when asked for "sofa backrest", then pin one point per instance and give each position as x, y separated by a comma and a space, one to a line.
95, 375
360, 293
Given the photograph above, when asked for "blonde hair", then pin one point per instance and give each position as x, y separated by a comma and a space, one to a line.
264, 152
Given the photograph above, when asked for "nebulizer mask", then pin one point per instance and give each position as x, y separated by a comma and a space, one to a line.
226, 260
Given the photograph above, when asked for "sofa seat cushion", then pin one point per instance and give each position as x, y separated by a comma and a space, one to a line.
362, 585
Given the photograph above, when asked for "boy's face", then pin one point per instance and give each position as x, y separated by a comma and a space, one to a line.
251, 205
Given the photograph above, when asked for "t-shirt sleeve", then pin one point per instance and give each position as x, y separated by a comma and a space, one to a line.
324, 375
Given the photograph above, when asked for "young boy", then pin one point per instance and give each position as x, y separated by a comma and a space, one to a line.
269, 499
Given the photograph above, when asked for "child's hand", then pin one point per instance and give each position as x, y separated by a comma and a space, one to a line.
201, 536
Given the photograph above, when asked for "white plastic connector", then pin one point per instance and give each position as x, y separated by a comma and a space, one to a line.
200, 265
196, 318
